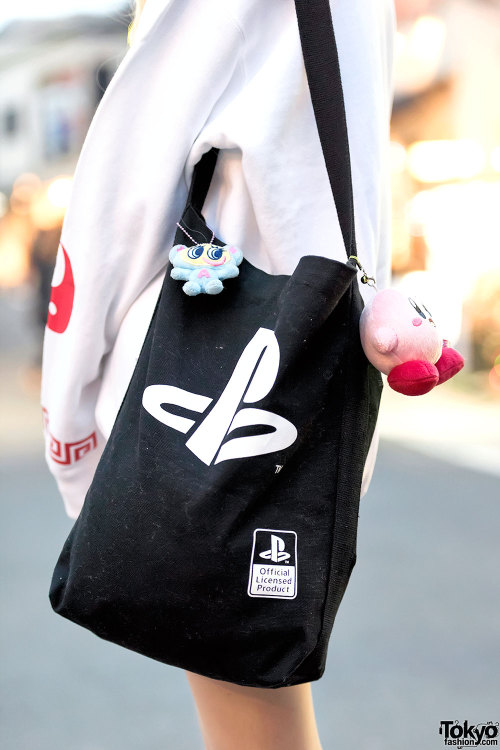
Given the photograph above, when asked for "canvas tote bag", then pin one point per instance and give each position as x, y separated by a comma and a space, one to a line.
219, 532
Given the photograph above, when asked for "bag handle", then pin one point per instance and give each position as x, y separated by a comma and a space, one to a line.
319, 50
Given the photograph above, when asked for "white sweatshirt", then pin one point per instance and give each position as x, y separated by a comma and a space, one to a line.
224, 73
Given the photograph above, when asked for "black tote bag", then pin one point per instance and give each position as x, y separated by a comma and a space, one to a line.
219, 532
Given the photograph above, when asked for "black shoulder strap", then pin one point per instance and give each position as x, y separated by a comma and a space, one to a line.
202, 177
321, 61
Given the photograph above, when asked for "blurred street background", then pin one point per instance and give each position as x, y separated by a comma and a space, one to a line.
416, 640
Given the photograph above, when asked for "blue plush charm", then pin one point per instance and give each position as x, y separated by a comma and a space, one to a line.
204, 266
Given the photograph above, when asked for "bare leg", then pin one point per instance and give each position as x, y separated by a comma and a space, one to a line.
233, 717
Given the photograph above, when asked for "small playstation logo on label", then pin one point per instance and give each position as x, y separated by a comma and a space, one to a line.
276, 553
276, 578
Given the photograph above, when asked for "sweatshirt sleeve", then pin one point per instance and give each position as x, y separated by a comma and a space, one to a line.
129, 189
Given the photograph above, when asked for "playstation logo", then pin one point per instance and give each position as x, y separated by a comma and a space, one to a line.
277, 577
251, 380
276, 553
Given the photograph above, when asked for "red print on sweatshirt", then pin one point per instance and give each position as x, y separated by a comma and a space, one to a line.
67, 453
61, 299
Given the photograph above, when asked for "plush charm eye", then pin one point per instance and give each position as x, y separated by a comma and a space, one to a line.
195, 252
427, 311
417, 308
214, 253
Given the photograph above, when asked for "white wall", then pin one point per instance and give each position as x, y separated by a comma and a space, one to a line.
38, 83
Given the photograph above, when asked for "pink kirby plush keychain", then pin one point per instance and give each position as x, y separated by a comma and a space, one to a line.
400, 338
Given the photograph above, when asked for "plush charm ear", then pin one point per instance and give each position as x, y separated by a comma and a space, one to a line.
173, 253
449, 363
385, 339
235, 252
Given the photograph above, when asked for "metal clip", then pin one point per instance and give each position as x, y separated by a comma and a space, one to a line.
365, 279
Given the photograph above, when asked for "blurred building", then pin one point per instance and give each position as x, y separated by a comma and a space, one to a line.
53, 74
446, 168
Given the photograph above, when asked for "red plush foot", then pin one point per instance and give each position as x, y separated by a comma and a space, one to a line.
413, 378
449, 363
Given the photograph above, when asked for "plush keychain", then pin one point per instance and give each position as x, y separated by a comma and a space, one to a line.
401, 339
203, 265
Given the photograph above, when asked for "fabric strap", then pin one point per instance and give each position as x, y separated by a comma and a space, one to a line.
319, 50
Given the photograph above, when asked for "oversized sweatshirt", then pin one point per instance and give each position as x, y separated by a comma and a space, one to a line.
224, 73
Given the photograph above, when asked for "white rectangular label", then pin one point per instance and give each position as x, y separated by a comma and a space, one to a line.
273, 565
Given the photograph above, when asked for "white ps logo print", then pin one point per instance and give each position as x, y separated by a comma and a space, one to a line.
251, 380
